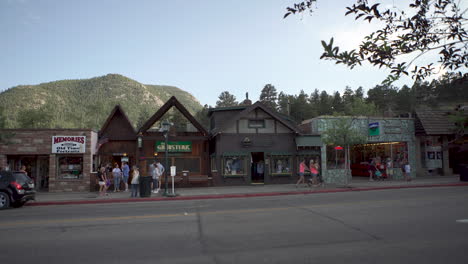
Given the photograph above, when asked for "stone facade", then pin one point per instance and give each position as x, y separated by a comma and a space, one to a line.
34, 143
391, 130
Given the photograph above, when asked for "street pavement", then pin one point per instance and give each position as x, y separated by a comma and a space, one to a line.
404, 225
359, 184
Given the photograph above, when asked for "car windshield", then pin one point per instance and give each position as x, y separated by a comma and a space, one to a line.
21, 178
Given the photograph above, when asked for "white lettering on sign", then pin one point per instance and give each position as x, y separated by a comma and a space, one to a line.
68, 144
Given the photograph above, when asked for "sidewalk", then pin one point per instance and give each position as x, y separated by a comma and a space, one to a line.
45, 198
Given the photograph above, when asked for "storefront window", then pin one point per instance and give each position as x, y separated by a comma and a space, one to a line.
335, 157
234, 165
280, 165
70, 167
187, 164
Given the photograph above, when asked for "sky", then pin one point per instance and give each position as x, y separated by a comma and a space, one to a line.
204, 47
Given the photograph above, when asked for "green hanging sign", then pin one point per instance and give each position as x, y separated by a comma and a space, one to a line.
174, 146
374, 129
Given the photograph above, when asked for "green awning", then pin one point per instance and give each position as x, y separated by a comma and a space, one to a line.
309, 141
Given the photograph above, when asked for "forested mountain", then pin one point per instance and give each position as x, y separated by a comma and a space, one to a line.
86, 103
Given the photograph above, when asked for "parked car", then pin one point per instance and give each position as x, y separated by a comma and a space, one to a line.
16, 188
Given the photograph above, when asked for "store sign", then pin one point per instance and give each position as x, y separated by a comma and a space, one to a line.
374, 129
68, 144
174, 146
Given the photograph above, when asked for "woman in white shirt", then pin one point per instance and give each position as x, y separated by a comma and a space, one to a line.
135, 181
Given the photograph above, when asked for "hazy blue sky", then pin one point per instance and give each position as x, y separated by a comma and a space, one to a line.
202, 46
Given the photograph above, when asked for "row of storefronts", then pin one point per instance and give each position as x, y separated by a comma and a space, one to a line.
245, 145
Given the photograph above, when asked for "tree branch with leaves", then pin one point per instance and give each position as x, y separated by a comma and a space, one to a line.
428, 26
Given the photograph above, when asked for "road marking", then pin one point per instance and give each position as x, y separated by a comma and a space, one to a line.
185, 214
463, 221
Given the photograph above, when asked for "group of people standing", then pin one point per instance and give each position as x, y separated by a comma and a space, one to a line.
313, 168
106, 175
380, 170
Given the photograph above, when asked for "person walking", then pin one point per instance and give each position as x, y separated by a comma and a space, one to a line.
117, 174
126, 174
407, 171
102, 180
135, 181
314, 172
302, 168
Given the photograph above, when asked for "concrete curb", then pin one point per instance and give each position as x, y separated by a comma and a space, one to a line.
244, 195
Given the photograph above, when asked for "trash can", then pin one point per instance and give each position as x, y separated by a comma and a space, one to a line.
463, 170
145, 186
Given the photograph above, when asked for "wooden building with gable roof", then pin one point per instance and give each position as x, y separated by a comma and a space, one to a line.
187, 145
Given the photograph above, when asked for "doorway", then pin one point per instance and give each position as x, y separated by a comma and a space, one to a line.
257, 168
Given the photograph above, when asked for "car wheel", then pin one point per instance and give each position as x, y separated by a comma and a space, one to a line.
18, 204
4, 201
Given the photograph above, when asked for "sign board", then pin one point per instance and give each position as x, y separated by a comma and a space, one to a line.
174, 146
173, 171
68, 144
124, 159
374, 129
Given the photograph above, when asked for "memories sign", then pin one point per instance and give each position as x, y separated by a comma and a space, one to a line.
68, 144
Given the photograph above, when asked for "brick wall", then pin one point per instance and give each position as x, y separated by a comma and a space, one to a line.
33, 142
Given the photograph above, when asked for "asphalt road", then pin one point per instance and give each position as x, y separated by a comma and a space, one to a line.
390, 226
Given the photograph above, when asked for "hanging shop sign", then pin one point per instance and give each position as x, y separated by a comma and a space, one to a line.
374, 129
68, 144
174, 146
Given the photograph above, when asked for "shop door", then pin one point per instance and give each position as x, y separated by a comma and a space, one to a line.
257, 168
43, 173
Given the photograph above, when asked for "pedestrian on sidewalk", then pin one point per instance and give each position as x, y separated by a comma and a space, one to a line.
102, 178
158, 172
126, 174
135, 181
117, 174
314, 172
302, 168
407, 170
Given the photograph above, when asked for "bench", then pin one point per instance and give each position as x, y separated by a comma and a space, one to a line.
177, 179
199, 179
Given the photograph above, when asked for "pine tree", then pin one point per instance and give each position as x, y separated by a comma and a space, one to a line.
268, 96
226, 99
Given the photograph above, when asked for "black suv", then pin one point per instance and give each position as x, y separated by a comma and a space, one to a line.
16, 188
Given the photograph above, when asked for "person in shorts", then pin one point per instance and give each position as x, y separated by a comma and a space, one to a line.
102, 179
126, 174
302, 168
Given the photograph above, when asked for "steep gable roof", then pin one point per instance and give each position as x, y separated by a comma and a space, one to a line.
434, 122
160, 113
259, 105
118, 126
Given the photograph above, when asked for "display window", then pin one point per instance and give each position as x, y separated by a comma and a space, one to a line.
70, 168
183, 164
280, 165
335, 157
234, 166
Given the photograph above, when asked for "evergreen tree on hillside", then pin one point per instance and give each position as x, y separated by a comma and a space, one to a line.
284, 102
226, 99
324, 104
268, 96
202, 117
337, 103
